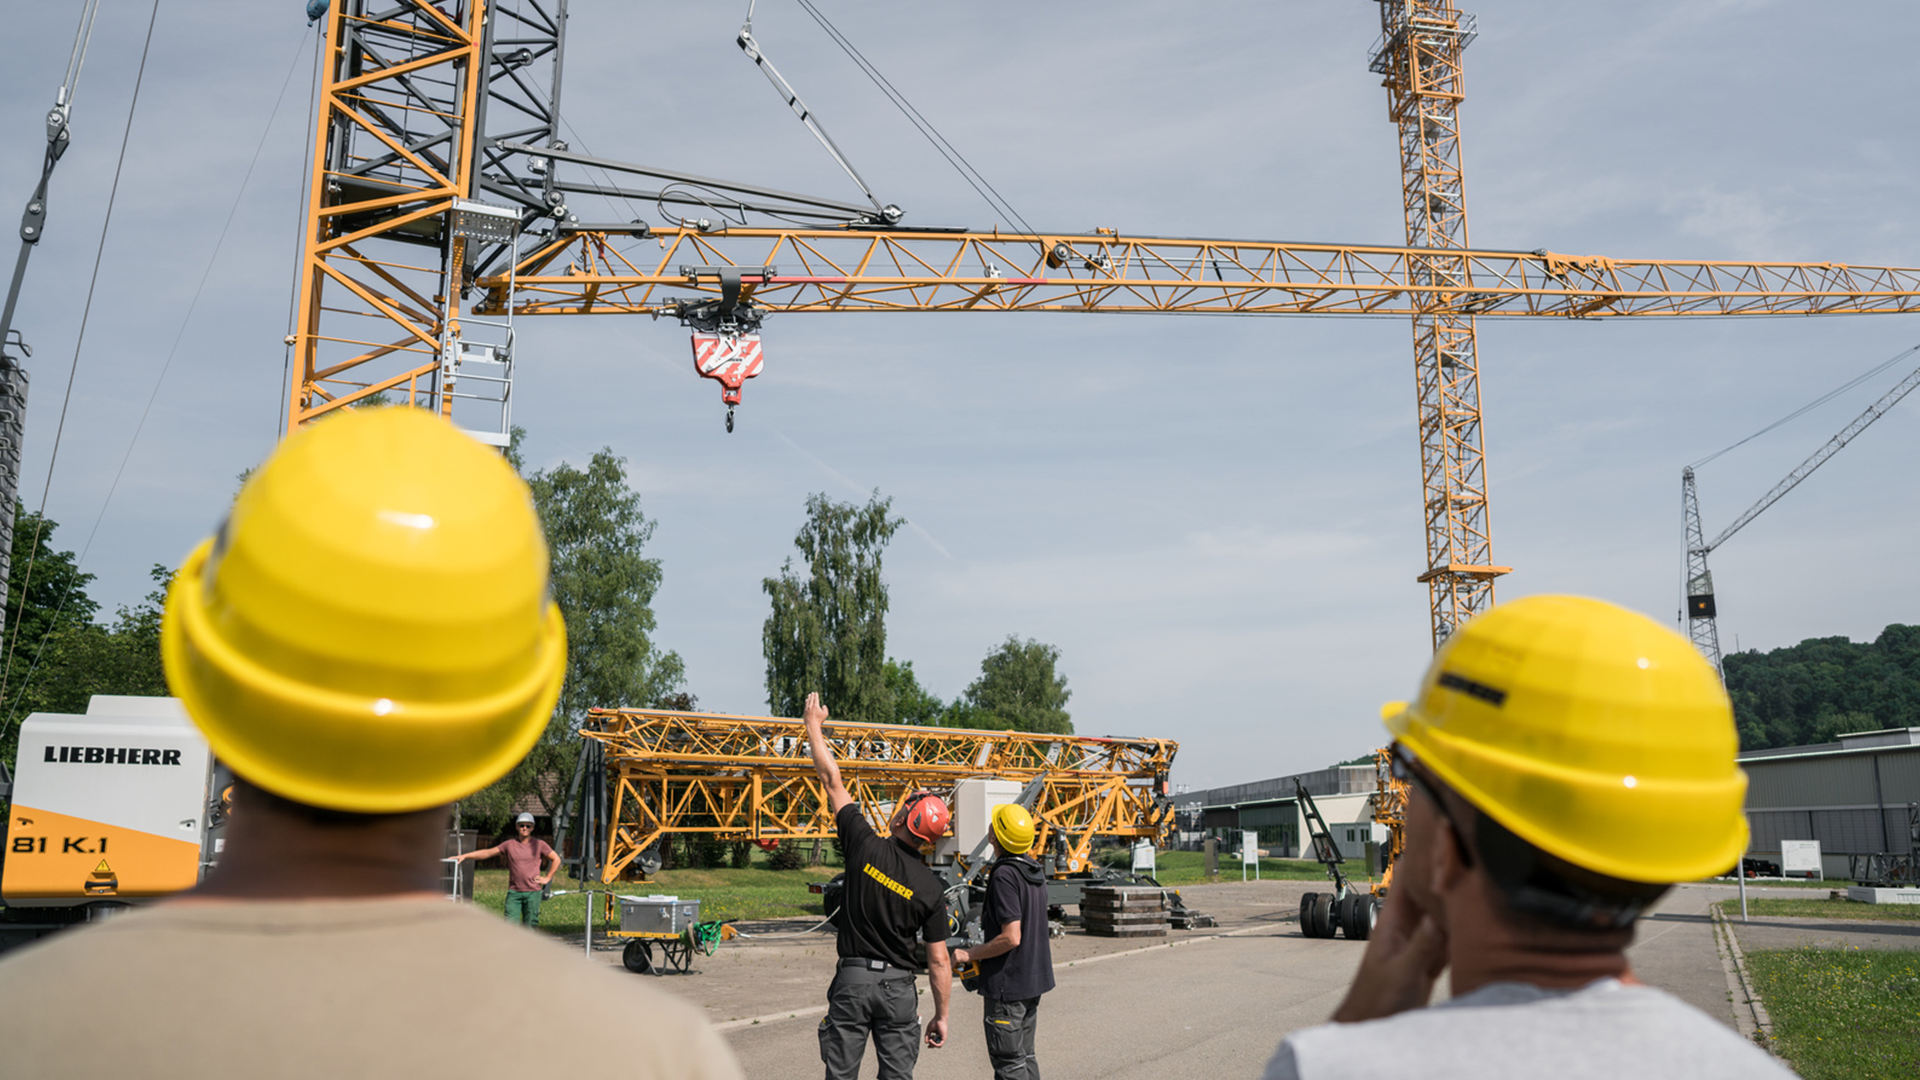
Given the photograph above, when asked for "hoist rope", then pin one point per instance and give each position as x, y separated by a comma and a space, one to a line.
1814, 404
299, 239
967, 172
206, 272
26, 578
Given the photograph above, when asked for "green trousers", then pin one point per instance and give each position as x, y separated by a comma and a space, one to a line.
524, 907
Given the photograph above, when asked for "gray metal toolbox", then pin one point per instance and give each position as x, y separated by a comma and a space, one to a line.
657, 914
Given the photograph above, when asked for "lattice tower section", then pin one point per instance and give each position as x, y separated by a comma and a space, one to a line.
1702, 612
411, 197
1419, 57
740, 778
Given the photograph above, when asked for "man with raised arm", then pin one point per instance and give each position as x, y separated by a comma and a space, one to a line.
890, 896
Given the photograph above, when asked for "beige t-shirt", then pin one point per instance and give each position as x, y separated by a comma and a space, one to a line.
409, 988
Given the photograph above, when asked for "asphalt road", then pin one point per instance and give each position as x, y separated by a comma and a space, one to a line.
1211, 1003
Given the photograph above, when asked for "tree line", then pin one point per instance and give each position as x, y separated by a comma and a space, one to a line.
1823, 688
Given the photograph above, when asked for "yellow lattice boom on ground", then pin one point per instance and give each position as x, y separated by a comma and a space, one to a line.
738, 778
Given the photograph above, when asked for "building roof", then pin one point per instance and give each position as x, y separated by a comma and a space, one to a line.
1884, 739
1338, 780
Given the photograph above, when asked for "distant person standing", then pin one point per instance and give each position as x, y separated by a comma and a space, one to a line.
891, 896
525, 877
1016, 964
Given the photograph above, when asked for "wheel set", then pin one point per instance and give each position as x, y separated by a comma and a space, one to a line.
1321, 914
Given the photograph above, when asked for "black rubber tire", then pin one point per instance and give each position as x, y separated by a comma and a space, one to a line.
1366, 913
1321, 916
637, 957
1356, 916
1307, 901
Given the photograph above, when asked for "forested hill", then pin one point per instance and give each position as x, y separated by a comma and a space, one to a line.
1822, 688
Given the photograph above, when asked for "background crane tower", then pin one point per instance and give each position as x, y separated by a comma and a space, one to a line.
1702, 611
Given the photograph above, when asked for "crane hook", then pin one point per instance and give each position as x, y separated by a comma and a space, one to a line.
729, 419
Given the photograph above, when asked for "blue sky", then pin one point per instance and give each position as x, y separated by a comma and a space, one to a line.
1216, 520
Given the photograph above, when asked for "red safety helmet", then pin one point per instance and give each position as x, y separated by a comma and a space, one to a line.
925, 815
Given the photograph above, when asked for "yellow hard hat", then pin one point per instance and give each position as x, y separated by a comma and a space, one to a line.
1013, 829
370, 630
1591, 732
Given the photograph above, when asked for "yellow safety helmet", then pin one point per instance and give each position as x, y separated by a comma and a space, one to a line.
371, 629
1591, 732
1013, 829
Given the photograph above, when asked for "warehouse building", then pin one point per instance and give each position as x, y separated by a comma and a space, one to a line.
1270, 808
1859, 797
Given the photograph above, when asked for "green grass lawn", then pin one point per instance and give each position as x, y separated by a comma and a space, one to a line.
760, 893
1190, 868
1843, 1014
724, 895
1821, 909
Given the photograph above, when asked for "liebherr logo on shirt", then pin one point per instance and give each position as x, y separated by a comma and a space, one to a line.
887, 881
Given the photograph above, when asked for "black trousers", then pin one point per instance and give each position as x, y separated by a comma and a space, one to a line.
860, 1003
1010, 1028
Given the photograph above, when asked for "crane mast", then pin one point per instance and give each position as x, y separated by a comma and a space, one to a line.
1418, 56
740, 778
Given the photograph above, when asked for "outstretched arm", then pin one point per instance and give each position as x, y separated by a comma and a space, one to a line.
484, 853
815, 717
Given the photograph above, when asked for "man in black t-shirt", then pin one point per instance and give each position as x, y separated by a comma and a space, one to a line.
890, 896
1016, 965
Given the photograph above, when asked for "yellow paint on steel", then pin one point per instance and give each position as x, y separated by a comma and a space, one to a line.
740, 778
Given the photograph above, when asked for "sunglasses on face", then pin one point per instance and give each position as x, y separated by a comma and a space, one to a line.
1402, 767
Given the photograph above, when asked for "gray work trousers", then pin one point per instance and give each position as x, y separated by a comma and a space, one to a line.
860, 1002
1010, 1028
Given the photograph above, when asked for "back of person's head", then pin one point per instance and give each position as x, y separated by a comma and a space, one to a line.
1013, 829
1596, 749
370, 630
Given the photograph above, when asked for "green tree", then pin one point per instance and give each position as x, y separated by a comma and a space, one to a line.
604, 584
1019, 690
912, 703
1823, 688
62, 658
827, 630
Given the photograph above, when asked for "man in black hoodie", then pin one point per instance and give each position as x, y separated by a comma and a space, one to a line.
1016, 965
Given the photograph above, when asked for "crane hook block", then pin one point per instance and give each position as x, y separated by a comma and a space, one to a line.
728, 359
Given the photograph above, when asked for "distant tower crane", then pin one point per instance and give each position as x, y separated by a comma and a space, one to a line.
441, 207
1701, 609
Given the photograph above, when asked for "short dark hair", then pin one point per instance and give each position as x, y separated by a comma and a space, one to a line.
1541, 886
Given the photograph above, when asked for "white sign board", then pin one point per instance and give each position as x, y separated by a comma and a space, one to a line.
1250, 849
1800, 857
1143, 858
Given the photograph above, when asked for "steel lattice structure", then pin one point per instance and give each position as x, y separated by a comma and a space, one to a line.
438, 212
750, 778
1418, 56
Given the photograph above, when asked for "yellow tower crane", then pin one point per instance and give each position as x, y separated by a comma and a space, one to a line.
439, 210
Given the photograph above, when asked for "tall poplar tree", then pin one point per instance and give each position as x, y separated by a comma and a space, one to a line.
827, 630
